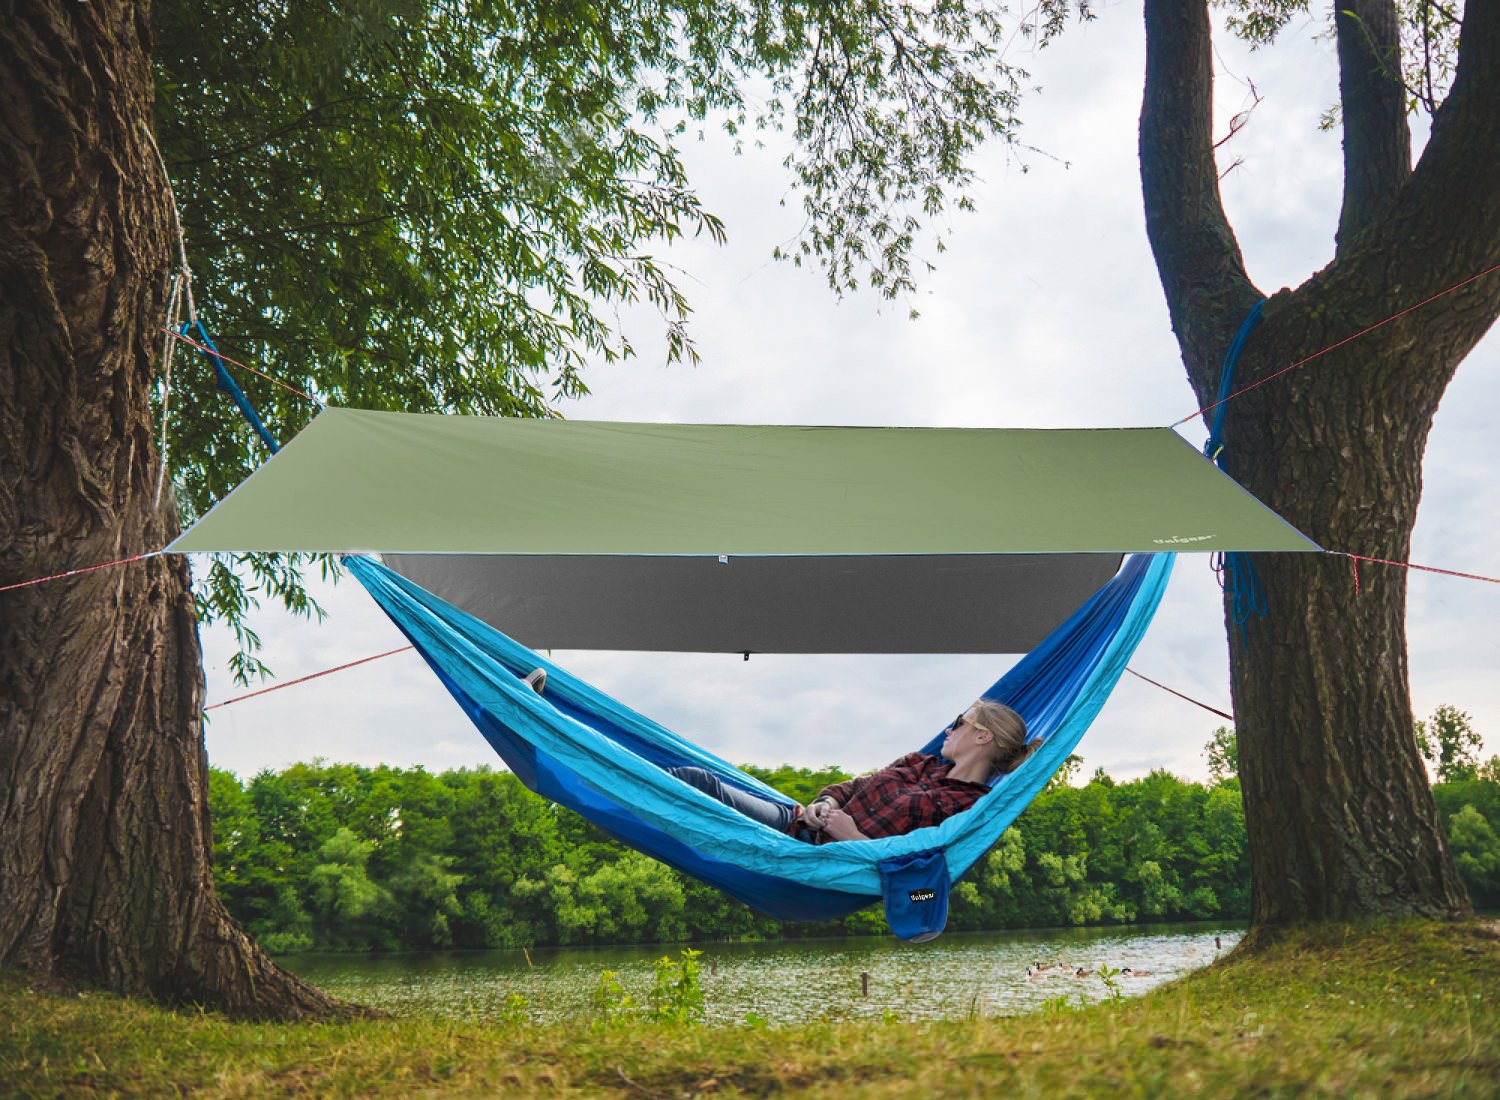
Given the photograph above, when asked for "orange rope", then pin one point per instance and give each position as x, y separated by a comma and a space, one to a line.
304, 679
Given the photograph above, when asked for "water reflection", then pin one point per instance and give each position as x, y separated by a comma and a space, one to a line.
961, 974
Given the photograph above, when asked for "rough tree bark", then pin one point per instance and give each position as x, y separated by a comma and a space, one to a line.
104, 832
1340, 817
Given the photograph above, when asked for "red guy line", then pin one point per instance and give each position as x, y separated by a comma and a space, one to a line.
75, 572
304, 679
1408, 565
245, 366
1189, 698
1341, 343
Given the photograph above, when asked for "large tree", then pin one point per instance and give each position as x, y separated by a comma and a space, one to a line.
104, 831
410, 204
1340, 818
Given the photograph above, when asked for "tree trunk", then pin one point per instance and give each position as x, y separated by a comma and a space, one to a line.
105, 869
1339, 813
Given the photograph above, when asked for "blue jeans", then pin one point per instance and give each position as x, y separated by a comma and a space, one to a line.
775, 814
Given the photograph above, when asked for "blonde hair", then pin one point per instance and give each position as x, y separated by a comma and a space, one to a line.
1007, 730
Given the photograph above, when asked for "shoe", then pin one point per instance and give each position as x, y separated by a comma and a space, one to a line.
536, 680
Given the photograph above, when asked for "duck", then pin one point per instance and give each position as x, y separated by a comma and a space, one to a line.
1082, 973
1129, 973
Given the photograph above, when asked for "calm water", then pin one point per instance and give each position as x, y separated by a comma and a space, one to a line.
957, 975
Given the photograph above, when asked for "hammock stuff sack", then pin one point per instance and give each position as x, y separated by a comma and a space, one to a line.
730, 538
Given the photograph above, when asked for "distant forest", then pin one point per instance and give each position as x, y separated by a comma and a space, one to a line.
339, 857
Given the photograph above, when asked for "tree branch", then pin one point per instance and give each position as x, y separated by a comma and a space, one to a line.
1202, 270
1377, 141
1444, 224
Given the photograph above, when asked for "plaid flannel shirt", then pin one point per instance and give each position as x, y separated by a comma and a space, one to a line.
911, 793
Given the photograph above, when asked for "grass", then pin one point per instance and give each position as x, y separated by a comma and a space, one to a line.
1405, 1009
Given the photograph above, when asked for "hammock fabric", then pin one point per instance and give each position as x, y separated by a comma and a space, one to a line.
584, 750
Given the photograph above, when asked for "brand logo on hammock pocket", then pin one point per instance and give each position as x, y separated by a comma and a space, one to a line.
922, 895
1183, 538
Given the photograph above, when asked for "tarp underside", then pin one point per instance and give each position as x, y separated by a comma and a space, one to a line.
966, 603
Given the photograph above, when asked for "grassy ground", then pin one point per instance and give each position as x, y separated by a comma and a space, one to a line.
1403, 1010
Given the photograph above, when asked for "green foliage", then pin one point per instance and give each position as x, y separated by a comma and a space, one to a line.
515, 1012
425, 205
677, 993
803, 784
609, 1003
1428, 37
1476, 852
1111, 979
336, 856
1470, 811
347, 906
1450, 743
1066, 774
1223, 753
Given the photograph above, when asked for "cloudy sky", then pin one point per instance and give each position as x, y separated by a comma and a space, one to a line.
1044, 312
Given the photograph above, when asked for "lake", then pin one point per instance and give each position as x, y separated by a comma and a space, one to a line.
957, 975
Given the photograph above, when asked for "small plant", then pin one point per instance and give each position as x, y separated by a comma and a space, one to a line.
514, 1012
756, 1022
1111, 979
677, 996
610, 1002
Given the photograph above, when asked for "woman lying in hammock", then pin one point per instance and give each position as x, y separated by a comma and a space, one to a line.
920, 789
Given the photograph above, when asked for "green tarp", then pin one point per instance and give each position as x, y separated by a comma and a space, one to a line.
488, 485
615, 531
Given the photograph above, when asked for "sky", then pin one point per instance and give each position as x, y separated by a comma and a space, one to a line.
1044, 312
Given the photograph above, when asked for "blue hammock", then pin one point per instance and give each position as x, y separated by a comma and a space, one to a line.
578, 747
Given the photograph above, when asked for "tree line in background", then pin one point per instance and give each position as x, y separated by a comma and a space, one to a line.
343, 857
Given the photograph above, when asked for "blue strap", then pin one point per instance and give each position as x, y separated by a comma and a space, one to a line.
1247, 598
226, 384
1226, 381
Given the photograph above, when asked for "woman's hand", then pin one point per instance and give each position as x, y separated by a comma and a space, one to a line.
816, 814
841, 826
